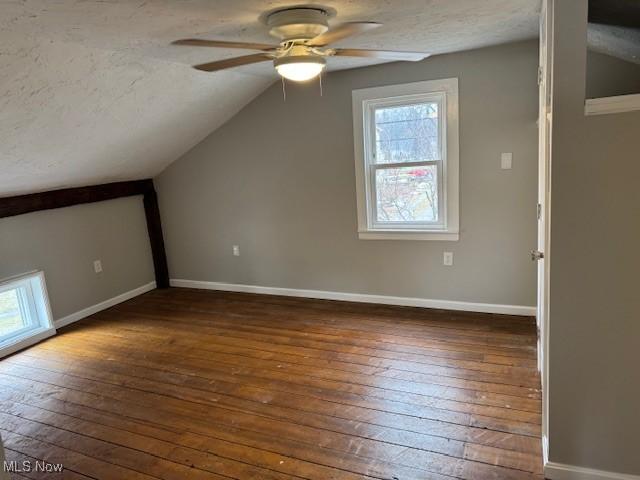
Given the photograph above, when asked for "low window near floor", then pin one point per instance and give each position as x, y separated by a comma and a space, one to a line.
25, 316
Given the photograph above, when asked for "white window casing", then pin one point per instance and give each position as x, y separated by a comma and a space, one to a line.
444, 93
35, 312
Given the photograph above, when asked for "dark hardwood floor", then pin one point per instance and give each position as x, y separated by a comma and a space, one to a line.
190, 384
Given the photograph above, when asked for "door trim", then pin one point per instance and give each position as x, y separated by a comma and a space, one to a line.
545, 122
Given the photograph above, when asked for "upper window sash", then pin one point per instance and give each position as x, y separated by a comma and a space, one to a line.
369, 110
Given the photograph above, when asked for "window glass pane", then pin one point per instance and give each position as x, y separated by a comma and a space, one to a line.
11, 317
407, 194
407, 133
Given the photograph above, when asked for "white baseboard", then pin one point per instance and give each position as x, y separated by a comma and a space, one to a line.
545, 450
85, 312
559, 471
359, 297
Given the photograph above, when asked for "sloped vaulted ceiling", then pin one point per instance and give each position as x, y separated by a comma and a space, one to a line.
614, 28
91, 91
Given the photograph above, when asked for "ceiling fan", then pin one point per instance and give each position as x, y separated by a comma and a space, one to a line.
304, 35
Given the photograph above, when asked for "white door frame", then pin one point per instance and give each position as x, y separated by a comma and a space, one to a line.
544, 207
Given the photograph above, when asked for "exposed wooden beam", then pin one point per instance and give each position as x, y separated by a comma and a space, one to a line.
154, 227
67, 197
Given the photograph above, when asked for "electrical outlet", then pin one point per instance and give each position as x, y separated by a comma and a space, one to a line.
506, 161
97, 266
448, 259
236, 250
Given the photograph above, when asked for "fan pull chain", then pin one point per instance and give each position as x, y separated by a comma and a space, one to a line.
284, 91
320, 81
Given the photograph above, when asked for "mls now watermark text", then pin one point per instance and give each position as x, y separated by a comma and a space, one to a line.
28, 466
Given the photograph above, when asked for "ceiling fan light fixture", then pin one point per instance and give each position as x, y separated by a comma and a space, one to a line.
300, 68
304, 45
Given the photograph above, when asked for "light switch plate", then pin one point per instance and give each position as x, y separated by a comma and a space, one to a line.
448, 259
506, 161
97, 266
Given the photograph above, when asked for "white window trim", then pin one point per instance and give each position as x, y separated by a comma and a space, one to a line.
617, 104
362, 100
38, 308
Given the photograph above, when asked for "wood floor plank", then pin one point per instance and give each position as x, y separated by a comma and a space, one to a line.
500, 394
402, 456
222, 449
405, 381
341, 393
28, 468
225, 382
350, 420
191, 384
424, 346
363, 325
70, 459
384, 314
426, 373
361, 330
315, 452
497, 400
413, 364
315, 413
166, 459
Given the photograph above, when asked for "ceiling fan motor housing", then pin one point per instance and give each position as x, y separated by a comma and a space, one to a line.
298, 23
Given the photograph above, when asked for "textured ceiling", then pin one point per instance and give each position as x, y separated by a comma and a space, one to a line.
620, 42
91, 91
614, 28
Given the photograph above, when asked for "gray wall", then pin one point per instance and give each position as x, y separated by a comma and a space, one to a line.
608, 76
65, 242
278, 180
594, 382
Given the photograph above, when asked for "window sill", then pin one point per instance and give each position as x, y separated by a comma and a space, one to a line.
408, 235
31, 337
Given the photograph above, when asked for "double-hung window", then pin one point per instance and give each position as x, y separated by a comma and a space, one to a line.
25, 316
406, 149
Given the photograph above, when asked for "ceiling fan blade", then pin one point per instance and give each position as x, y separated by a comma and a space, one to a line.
342, 31
196, 42
232, 62
384, 54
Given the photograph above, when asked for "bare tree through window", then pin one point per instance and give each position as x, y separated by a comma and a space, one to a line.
407, 134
